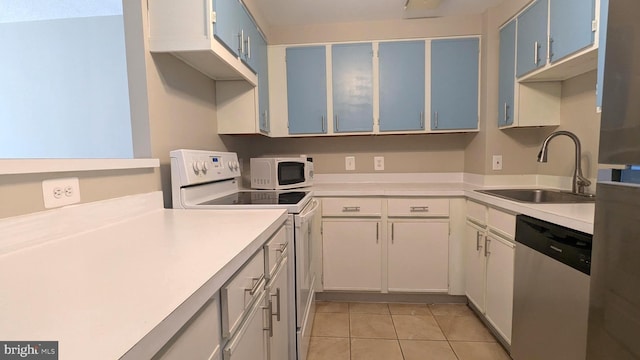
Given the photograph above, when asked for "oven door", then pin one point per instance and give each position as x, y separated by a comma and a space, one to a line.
304, 224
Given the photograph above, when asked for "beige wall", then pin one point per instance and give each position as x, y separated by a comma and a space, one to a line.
22, 194
578, 115
403, 153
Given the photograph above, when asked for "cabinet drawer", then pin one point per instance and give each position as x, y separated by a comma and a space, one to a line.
504, 222
351, 207
477, 212
240, 291
418, 207
275, 250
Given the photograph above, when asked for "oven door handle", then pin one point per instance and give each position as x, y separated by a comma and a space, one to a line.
309, 211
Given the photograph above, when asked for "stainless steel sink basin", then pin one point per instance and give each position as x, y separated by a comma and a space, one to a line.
540, 196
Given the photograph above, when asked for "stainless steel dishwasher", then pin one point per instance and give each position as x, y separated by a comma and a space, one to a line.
551, 291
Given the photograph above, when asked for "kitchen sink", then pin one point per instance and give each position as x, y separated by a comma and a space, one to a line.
540, 196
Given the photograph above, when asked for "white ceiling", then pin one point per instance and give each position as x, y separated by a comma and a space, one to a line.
305, 12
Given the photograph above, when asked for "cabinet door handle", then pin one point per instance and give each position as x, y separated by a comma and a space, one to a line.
392, 233
241, 43
269, 309
478, 236
377, 232
486, 246
550, 48
351, 209
419, 209
435, 120
256, 282
422, 120
323, 129
277, 313
536, 49
336, 123
506, 112
248, 49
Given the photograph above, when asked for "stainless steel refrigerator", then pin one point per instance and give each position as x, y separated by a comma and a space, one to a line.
614, 306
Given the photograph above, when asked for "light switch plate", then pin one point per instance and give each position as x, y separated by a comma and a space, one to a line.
378, 163
350, 163
497, 162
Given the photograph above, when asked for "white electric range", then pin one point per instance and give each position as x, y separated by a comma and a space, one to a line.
210, 180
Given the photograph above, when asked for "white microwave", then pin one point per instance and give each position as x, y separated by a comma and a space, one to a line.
280, 173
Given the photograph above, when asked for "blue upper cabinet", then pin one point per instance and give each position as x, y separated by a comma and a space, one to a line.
402, 85
229, 22
454, 84
602, 49
307, 89
260, 53
235, 29
507, 74
570, 27
532, 37
352, 66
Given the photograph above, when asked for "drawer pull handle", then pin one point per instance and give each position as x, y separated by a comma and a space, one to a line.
256, 283
277, 313
351, 209
419, 209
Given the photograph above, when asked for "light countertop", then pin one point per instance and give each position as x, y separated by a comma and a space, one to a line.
574, 216
100, 291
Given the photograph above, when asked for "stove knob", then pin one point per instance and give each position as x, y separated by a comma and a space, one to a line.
236, 166
204, 166
196, 169
230, 164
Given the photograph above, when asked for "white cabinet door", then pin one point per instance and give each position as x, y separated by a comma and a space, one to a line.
418, 256
499, 295
475, 271
351, 255
279, 293
250, 341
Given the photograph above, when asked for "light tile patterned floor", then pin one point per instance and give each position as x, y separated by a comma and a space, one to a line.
378, 331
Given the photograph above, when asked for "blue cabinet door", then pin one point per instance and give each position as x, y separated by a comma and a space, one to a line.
402, 85
251, 40
454, 83
229, 22
352, 66
602, 48
307, 89
260, 53
570, 28
532, 37
507, 74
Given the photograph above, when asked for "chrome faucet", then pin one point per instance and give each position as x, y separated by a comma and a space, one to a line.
579, 181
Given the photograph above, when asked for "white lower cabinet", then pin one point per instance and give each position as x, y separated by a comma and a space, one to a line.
386, 245
199, 338
250, 342
418, 253
279, 331
351, 255
490, 255
499, 287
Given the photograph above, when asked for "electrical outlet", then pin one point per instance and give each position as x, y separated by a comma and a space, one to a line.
378, 163
60, 192
350, 163
497, 162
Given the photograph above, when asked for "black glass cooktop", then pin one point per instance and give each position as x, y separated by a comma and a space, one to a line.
259, 198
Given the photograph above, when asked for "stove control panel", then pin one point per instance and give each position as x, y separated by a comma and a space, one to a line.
191, 167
